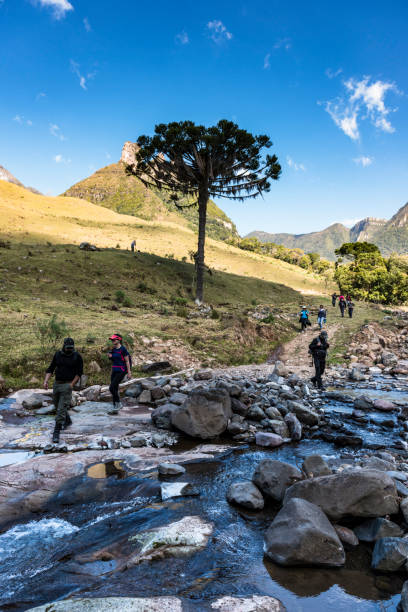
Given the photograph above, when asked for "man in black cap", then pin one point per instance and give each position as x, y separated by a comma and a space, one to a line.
68, 366
318, 349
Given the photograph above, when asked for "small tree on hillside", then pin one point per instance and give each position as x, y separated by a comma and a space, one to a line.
202, 162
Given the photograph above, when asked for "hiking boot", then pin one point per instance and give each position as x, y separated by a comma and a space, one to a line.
68, 421
114, 409
56, 434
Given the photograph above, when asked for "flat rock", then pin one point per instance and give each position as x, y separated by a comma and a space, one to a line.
384, 405
256, 603
365, 493
179, 539
171, 469
273, 477
245, 494
113, 604
390, 554
301, 534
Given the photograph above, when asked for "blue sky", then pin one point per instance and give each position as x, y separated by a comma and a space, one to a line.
326, 81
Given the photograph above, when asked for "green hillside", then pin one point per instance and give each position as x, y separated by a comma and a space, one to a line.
113, 188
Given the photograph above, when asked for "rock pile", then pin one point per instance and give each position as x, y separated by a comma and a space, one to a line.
381, 346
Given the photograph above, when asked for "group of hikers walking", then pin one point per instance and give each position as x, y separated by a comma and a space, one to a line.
68, 366
344, 303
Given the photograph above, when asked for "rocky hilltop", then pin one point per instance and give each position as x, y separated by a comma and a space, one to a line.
390, 236
113, 188
5, 175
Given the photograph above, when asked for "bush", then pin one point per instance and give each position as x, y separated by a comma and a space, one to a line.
143, 288
51, 331
269, 319
179, 301
215, 314
120, 296
127, 302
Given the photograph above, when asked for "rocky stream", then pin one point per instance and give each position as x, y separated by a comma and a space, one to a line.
236, 490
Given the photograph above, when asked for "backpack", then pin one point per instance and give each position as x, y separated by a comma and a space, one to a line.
130, 358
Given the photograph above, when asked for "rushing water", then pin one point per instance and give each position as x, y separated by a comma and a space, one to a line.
77, 547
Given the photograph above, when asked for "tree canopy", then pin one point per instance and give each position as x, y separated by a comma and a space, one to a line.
355, 249
202, 162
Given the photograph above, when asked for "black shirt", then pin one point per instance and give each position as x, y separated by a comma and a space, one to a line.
318, 348
66, 366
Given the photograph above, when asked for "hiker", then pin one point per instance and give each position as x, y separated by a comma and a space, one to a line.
348, 298
334, 298
318, 349
304, 318
121, 365
321, 316
133, 246
68, 366
342, 305
350, 308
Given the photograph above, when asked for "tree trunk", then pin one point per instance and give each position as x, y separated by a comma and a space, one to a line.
202, 220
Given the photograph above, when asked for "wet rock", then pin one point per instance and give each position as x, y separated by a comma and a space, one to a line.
402, 476
256, 603
50, 409
238, 407
134, 390
255, 413
245, 494
111, 604
237, 425
301, 534
363, 403
177, 489
159, 440
274, 477
384, 405
373, 530
205, 414
294, 426
389, 554
33, 401
365, 493
161, 416
404, 597
315, 466
306, 415
346, 535
179, 539
138, 441
356, 374
268, 439
171, 469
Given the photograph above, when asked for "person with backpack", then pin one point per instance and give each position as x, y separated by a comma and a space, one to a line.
304, 318
321, 316
350, 307
342, 305
318, 349
68, 367
334, 298
121, 365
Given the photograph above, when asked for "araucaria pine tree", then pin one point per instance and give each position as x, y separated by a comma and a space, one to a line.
202, 162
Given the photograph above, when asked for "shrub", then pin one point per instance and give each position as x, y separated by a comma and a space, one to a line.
143, 288
215, 314
120, 295
51, 331
269, 319
179, 301
127, 302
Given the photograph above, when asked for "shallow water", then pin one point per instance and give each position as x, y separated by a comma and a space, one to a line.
79, 545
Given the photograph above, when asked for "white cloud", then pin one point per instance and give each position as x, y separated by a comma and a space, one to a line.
267, 63
182, 38
83, 79
21, 120
332, 74
294, 165
283, 43
60, 7
364, 99
59, 159
55, 130
87, 25
40, 95
218, 31
363, 161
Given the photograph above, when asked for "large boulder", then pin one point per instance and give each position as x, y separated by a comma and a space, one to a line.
161, 416
390, 554
366, 493
204, 414
306, 415
245, 494
274, 477
301, 534
375, 529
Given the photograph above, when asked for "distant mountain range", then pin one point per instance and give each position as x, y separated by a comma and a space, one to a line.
5, 175
113, 188
390, 236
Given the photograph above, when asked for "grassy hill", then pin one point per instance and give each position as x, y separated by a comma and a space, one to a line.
113, 188
44, 273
